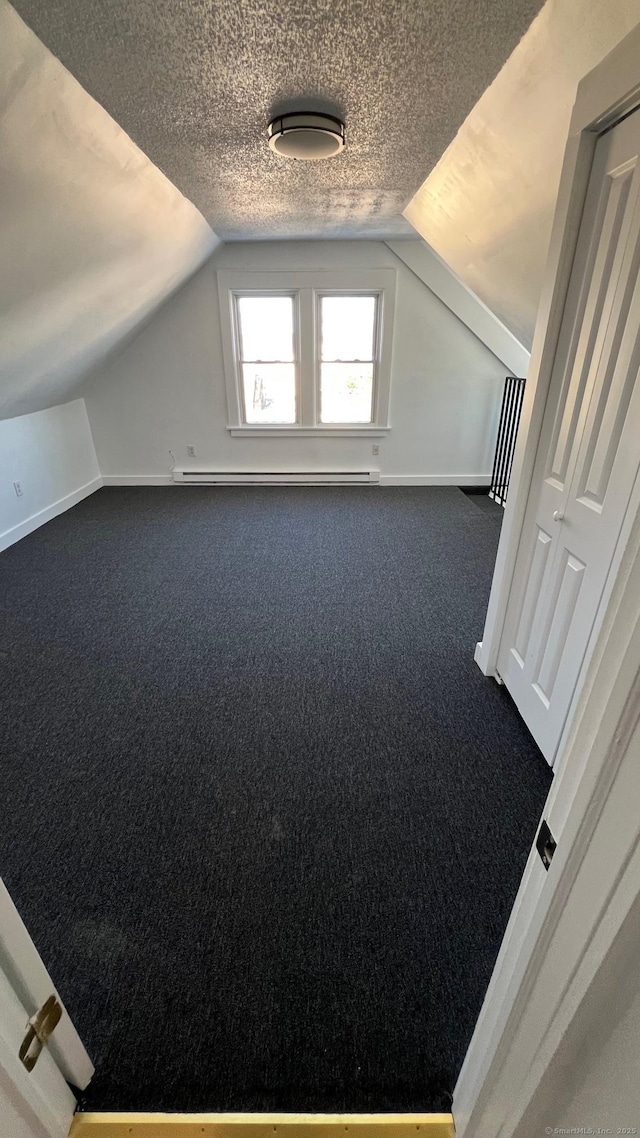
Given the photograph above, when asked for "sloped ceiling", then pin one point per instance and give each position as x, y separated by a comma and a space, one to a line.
92, 236
194, 83
487, 207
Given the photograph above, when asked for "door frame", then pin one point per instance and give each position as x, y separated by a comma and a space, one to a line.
535, 995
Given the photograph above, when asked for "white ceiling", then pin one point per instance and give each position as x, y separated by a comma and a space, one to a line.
487, 207
92, 236
193, 82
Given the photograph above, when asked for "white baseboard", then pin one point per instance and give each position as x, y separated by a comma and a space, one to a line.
435, 479
385, 480
10, 536
137, 480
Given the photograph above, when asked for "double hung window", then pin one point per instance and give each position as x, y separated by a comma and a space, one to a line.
312, 355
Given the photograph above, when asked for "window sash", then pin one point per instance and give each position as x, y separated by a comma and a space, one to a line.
241, 361
336, 398
348, 293
374, 361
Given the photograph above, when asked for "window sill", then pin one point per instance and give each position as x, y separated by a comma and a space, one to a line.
368, 431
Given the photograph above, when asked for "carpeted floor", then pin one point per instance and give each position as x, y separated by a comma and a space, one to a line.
262, 814
485, 503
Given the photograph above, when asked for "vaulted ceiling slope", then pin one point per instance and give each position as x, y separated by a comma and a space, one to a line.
92, 236
487, 207
194, 83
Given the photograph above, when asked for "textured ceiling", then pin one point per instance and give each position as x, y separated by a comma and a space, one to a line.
93, 237
194, 83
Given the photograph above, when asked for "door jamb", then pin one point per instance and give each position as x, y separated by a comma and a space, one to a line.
605, 715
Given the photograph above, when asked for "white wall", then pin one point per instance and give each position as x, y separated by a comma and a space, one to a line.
488, 205
92, 236
51, 454
432, 271
165, 391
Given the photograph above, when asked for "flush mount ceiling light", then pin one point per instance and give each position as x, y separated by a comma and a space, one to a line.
306, 135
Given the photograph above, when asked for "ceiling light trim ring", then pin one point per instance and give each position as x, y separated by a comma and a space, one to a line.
306, 135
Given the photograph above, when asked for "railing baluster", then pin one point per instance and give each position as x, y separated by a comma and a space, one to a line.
509, 440
494, 472
507, 433
501, 445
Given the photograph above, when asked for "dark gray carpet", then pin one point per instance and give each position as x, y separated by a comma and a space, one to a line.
486, 504
262, 813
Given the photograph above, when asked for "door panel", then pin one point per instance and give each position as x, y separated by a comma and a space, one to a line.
611, 402
534, 582
589, 453
609, 235
561, 614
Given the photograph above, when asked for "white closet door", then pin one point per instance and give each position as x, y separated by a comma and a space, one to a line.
41, 1095
41, 1098
589, 453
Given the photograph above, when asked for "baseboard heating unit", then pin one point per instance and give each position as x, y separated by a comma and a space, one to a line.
277, 478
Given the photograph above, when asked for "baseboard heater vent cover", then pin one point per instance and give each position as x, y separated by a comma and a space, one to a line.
277, 478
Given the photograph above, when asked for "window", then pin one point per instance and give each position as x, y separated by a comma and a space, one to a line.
267, 358
347, 358
307, 353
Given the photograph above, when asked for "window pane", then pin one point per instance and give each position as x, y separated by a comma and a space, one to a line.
347, 327
346, 392
269, 393
266, 327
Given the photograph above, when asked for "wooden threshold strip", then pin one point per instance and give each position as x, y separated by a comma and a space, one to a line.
121, 1125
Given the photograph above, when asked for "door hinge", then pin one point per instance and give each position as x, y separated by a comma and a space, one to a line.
39, 1031
545, 844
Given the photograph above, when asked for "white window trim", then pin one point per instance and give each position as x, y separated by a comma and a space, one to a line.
309, 286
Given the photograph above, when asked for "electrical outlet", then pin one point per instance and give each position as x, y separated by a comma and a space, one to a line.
375, 449
17, 486
191, 451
